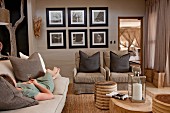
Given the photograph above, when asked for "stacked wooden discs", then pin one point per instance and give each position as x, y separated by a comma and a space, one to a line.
101, 89
161, 103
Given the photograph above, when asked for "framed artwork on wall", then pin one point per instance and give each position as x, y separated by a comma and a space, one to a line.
55, 17
78, 38
98, 16
98, 38
56, 39
77, 17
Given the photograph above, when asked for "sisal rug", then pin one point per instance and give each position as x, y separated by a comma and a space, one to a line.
83, 103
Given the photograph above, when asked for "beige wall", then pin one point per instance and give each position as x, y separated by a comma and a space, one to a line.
64, 58
31, 11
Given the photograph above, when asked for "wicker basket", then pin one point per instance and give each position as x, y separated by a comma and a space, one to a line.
101, 89
161, 103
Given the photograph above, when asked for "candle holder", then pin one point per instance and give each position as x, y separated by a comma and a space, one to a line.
137, 88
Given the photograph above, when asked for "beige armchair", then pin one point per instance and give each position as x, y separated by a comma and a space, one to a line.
84, 82
120, 78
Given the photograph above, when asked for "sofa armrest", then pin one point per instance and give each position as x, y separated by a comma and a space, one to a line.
103, 71
107, 73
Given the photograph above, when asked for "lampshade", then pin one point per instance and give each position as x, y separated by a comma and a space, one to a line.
4, 16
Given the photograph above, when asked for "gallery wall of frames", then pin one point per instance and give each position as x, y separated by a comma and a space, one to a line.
77, 17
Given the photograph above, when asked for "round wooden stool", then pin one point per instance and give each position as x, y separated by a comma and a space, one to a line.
101, 89
161, 103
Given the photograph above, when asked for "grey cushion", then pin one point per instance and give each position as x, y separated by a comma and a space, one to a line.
10, 98
23, 67
89, 77
119, 63
89, 63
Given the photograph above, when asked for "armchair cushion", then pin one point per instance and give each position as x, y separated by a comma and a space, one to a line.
88, 77
106, 56
119, 63
119, 77
89, 63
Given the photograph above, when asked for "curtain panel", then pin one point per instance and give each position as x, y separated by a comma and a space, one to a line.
157, 37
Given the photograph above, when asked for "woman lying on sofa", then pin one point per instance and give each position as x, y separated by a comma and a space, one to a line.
40, 88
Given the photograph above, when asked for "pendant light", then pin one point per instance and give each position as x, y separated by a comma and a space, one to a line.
4, 14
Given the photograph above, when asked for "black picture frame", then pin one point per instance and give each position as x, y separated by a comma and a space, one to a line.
98, 38
55, 17
77, 17
98, 16
56, 39
78, 38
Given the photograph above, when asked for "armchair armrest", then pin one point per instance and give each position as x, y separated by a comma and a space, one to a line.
74, 72
107, 73
103, 71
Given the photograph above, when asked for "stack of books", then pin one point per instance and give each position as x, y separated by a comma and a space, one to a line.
118, 95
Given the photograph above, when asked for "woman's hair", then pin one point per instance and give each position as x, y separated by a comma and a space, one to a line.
8, 78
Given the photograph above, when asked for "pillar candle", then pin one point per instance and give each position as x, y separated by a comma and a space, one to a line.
137, 91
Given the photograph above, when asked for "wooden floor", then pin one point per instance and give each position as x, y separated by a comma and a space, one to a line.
83, 103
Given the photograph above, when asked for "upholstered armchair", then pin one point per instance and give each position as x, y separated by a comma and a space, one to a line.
83, 79
121, 78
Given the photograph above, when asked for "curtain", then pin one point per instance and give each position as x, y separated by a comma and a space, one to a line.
167, 69
157, 37
150, 37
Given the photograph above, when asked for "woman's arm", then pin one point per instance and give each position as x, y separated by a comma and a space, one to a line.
45, 93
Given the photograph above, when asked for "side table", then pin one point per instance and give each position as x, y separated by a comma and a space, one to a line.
101, 89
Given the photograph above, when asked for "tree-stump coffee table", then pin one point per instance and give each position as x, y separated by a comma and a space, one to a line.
101, 89
126, 106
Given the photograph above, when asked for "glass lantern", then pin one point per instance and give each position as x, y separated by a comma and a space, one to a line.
137, 88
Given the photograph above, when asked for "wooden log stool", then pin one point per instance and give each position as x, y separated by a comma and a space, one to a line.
161, 103
101, 89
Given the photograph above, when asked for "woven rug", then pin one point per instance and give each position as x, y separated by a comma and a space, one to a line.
83, 103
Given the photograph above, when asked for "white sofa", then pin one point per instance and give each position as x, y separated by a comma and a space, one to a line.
48, 106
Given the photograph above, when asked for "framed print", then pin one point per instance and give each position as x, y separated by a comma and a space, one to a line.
56, 39
98, 16
98, 38
78, 38
55, 17
77, 17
